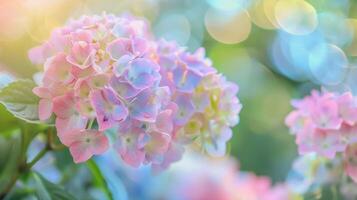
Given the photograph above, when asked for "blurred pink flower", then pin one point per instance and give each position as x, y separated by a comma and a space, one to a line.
325, 123
200, 178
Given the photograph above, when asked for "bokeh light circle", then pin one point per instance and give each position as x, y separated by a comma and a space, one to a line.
13, 20
258, 16
351, 80
335, 28
173, 27
298, 47
228, 27
328, 64
282, 61
352, 47
296, 16
269, 11
229, 5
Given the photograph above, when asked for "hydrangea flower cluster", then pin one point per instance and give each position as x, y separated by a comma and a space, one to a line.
326, 123
311, 174
107, 74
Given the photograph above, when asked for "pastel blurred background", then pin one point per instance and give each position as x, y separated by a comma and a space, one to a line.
275, 50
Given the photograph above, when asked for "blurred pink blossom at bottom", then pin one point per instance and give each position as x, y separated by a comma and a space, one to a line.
195, 177
221, 180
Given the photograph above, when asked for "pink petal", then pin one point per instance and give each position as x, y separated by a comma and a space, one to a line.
63, 106
133, 157
185, 109
86, 143
39, 54
123, 88
109, 108
57, 69
144, 107
82, 73
82, 35
120, 66
42, 92
142, 73
174, 153
352, 172
159, 143
68, 125
325, 114
82, 54
164, 121
347, 108
119, 48
186, 80
45, 109
82, 88
84, 107
139, 46
79, 152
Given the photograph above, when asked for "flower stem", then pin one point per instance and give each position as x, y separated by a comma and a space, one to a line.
24, 167
37, 158
51, 145
98, 178
90, 124
9, 186
22, 170
334, 192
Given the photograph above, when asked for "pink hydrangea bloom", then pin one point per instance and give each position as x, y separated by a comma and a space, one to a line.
325, 123
154, 95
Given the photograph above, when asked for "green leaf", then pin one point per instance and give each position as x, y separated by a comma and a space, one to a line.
13, 148
10, 149
98, 178
45, 190
21, 192
114, 183
7, 120
29, 132
19, 99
